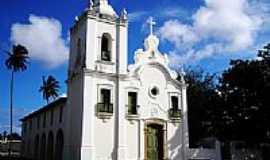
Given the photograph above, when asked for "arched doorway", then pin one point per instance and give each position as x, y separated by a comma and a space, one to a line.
50, 147
36, 149
59, 145
155, 140
43, 147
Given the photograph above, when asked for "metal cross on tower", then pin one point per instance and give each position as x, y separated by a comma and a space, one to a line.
151, 23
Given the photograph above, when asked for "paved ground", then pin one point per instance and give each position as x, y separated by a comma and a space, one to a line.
13, 158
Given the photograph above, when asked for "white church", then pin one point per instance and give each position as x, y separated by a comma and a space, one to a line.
113, 111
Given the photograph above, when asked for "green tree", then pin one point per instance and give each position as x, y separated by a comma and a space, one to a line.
202, 96
245, 88
50, 88
14, 136
16, 62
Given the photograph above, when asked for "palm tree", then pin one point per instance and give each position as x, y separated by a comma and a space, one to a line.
16, 62
49, 88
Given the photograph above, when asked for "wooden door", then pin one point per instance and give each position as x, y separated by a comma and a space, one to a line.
154, 144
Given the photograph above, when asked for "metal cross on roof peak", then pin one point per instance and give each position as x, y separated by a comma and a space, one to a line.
151, 24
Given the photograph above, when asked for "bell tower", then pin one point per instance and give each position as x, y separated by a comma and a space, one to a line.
98, 55
99, 39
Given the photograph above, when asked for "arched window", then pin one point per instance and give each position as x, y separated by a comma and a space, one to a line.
43, 147
59, 145
29, 147
36, 147
50, 146
106, 44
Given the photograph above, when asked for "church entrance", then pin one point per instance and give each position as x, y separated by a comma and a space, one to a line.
154, 142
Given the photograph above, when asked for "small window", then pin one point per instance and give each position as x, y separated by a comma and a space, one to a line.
106, 47
51, 117
25, 127
38, 122
30, 124
175, 112
105, 96
132, 103
154, 91
175, 103
44, 120
105, 105
61, 114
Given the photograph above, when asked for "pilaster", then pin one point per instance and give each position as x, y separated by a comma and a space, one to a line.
141, 140
185, 132
88, 125
122, 126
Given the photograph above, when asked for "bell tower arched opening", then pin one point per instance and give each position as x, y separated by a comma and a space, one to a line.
106, 47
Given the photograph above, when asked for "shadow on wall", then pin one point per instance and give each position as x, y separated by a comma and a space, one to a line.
178, 151
174, 148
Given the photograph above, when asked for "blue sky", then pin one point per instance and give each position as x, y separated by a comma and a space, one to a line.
205, 33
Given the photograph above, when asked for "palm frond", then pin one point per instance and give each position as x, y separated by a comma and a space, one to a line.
18, 59
49, 88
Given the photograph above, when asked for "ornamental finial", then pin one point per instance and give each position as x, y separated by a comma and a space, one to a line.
90, 4
124, 14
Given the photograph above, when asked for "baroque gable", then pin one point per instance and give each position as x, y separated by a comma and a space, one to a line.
151, 58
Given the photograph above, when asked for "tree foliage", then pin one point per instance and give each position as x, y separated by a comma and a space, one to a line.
50, 88
245, 89
17, 59
14, 136
234, 107
201, 94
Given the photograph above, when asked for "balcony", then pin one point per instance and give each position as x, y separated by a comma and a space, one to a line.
132, 111
175, 113
104, 110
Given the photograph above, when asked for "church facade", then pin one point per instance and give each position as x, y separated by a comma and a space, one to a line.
113, 111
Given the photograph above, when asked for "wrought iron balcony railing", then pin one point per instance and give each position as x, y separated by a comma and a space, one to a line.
175, 113
105, 108
132, 109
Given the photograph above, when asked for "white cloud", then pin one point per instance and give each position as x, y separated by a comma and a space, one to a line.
136, 16
42, 37
217, 27
159, 13
193, 55
174, 11
179, 34
229, 21
63, 95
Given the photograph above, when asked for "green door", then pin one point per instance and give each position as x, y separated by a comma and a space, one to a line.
154, 143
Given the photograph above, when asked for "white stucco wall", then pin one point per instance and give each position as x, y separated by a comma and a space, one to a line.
175, 143
133, 140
